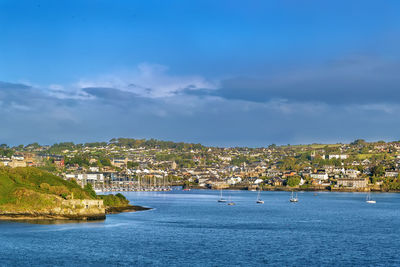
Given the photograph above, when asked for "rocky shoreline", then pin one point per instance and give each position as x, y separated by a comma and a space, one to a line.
48, 216
129, 208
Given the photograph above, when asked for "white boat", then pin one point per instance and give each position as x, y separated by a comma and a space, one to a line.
221, 199
369, 200
259, 200
293, 198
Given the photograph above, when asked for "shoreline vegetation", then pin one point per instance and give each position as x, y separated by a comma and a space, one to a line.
128, 208
27, 193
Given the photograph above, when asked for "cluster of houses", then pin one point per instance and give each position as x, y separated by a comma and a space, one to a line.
16, 161
339, 166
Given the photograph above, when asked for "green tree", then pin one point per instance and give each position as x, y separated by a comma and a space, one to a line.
358, 142
132, 164
378, 171
293, 181
89, 189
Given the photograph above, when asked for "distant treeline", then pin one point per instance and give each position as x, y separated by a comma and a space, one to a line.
122, 142
154, 143
5, 150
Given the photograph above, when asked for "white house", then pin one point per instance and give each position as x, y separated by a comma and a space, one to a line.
88, 177
350, 173
17, 157
391, 174
338, 170
338, 156
258, 181
5, 161
225, 158
234, 180
365, 162
94, 169
320, 176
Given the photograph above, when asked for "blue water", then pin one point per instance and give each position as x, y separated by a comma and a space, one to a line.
191, 229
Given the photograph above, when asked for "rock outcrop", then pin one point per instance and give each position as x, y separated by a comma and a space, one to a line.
73, 209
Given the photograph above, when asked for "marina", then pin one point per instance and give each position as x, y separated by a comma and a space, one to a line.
135, 184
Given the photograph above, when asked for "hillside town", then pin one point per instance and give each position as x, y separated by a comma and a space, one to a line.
131, 165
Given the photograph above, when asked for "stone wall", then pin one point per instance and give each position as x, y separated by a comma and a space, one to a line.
73, 209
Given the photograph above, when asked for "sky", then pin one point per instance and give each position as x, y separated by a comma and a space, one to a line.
221, 73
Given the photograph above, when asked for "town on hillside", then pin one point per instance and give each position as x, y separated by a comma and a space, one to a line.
125, 164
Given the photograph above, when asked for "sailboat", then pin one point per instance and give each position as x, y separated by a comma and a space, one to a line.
221, 199
369, 199
259, 200
293, 198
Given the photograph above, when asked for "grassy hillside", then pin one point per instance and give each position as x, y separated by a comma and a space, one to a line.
117, 200
29, 184
31, 189
313, 146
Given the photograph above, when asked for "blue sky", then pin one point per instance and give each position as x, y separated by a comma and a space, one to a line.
221, 73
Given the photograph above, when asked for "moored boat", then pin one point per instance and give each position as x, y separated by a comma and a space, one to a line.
369, 199
221, 199
259, 200
293, 198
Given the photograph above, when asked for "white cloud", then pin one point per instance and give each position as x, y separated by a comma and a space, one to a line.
19, 107
378, 107
149, 80
154, 103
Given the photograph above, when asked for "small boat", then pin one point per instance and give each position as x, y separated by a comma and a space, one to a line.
259, 200
186, 189
369, 199
221, 199
231, 203
293, 198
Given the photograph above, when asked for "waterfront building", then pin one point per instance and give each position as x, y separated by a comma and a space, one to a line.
352, 182
319, 176
85, 178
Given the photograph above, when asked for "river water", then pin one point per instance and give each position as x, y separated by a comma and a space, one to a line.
189, 228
